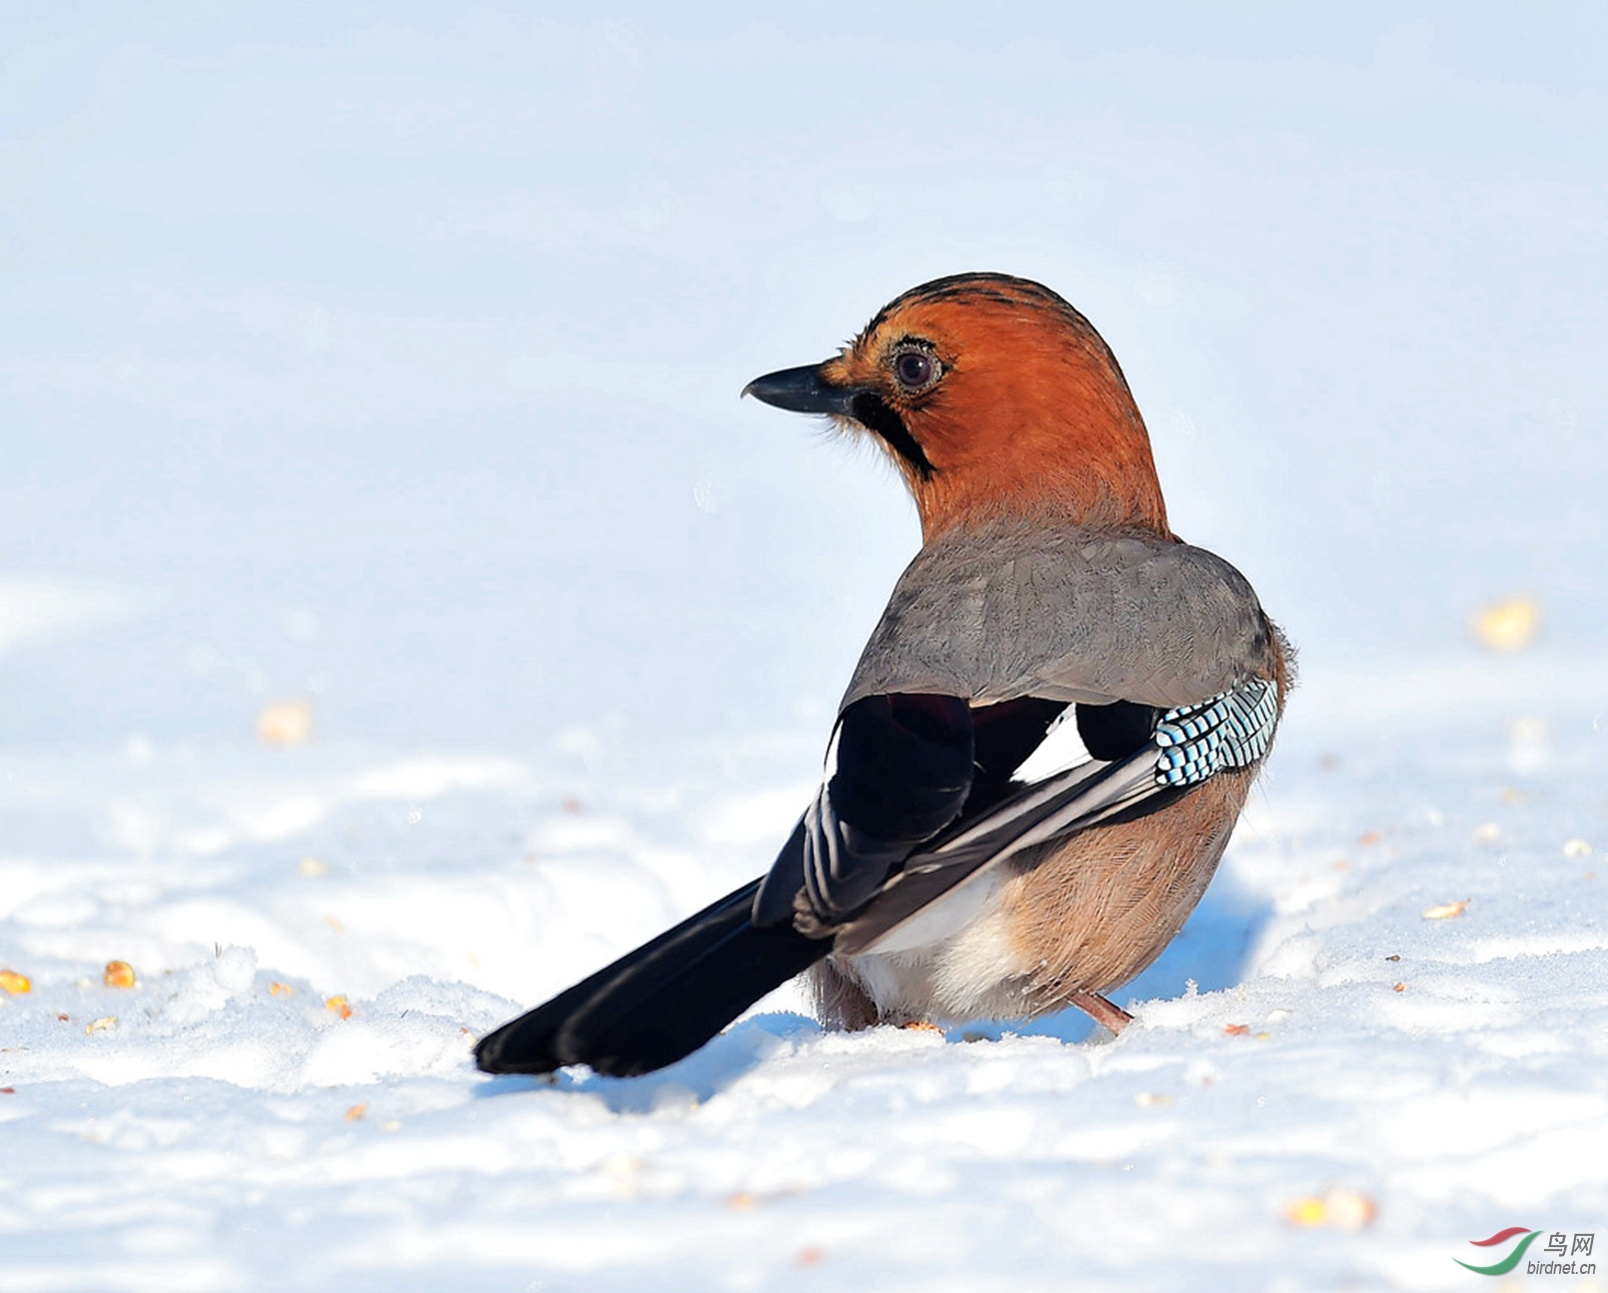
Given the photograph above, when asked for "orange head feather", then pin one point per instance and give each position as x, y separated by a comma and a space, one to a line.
994, 397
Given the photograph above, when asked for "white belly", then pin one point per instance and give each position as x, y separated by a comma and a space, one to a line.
952, 960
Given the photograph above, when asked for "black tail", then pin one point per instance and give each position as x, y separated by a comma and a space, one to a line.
660, 1002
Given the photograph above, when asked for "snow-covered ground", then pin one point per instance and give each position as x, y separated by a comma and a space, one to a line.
374, 369
1311, 1036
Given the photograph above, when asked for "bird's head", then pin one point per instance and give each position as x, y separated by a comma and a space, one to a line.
994, 398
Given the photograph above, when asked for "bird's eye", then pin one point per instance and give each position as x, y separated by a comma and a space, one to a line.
916, 370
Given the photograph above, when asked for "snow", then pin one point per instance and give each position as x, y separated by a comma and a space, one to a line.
376, 369
220, 1135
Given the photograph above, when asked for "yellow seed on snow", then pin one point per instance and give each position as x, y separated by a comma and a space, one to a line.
339, 1005
14, 983
118, 974
285, 722
1342, 1209
356, 1112
101, 1025
1507, 626
1349, 1210
281, 990
1446, 910
1306, 1212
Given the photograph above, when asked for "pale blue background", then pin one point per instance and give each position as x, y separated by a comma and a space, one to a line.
391, 352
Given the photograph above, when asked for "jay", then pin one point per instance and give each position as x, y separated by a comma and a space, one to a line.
949, 867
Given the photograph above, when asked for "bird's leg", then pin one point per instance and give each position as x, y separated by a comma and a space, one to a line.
1101, 1011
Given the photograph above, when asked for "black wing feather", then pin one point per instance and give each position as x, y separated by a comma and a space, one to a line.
659, 1002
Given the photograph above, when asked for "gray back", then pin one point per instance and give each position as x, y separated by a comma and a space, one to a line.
1016, 609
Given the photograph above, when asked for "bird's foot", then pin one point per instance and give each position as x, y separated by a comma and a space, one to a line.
1100, 1010
924, 1026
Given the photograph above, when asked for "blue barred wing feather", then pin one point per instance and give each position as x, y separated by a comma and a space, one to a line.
1230, 730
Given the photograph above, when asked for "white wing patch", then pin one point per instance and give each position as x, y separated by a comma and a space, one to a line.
1061, 748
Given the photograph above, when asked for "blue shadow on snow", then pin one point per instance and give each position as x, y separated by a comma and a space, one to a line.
1210, 951
706, 1072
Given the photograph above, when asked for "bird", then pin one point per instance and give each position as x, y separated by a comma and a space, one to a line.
1044, 747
